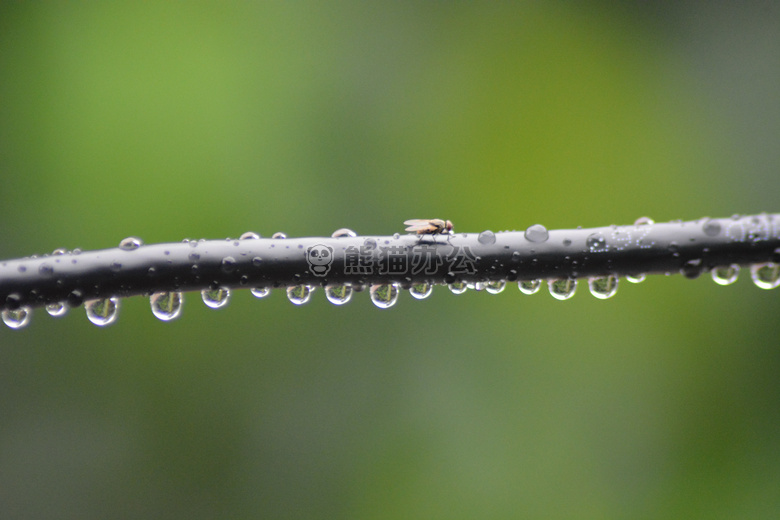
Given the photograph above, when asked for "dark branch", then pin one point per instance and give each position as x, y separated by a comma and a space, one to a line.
689, 248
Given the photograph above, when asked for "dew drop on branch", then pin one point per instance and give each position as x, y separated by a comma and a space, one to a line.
603, 287
529, 286
215, 298
299, 294
260, 292
57, 309
458, 287
338, 294
725, 274
537, 233
166, 306
130, 243
17, 318
563, 288
495, 287
766, 276
103, 311
384, 295
422, 290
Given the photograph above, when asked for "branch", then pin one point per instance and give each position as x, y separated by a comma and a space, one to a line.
346, 262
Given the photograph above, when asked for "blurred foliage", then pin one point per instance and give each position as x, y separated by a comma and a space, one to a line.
167, 120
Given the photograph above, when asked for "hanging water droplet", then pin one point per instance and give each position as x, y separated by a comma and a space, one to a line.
129, 244
537, 233
603, 287
457, 287
215, 298
495, 286
57, 309
529, 286
338, 294
636, 278
17, 318
343, 232
279, 234
725, 274
102, 312
692, 268
766, 276
487, 237
421, 290
249, 235
260, 292
563, 288
166, 306
644, 221
299, 294
384, 295
711, 228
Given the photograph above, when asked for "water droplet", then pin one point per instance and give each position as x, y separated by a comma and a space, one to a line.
596, 243
422, 290
102, 312
384, 295
644, 221
725, 274
369, 243
495, 286
766, 276
636, 278
279, 234
166, 306
562, 289
46, 270
249, 235
711, 228
338, 294
129, 244
115, 267
56, 309
536, 233
299, 294
603, 287
215, 298
692, 268
487, 237
59, 251
343, 232
529, 286
18, 318
260, 292
228, 264
457, 287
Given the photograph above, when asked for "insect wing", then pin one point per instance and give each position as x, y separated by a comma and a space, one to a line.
420, 226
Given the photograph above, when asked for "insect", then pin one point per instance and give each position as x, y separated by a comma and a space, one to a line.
432, 226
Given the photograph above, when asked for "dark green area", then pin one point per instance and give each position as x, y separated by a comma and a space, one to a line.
169, 120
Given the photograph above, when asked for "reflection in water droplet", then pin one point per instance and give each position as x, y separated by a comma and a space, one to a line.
692, 268
725, 274
102, 312
249, 235
458, 287
536, 233
166, 306
299, 294
215, 298
56, 309
18, 318
384, 295
711, 228
260, 292
636, 278
487, 237
643, 221
495, 287
338, 294
420, 291
129, 244
59, 251
603, 287
562, 289
278, 234
766, 276
343, 232
529, 286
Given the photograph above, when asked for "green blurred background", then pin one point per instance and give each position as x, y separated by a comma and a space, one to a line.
167, 120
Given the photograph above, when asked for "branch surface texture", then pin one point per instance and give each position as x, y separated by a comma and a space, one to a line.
346, 262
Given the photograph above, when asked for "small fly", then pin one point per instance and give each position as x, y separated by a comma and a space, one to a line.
432, 226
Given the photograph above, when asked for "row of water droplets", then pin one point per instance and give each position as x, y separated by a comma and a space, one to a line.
167, 306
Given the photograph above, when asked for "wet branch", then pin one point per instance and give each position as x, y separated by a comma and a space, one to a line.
642, 248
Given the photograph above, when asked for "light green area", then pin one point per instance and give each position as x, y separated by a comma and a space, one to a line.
167, 120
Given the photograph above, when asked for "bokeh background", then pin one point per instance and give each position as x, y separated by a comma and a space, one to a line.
167, 120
